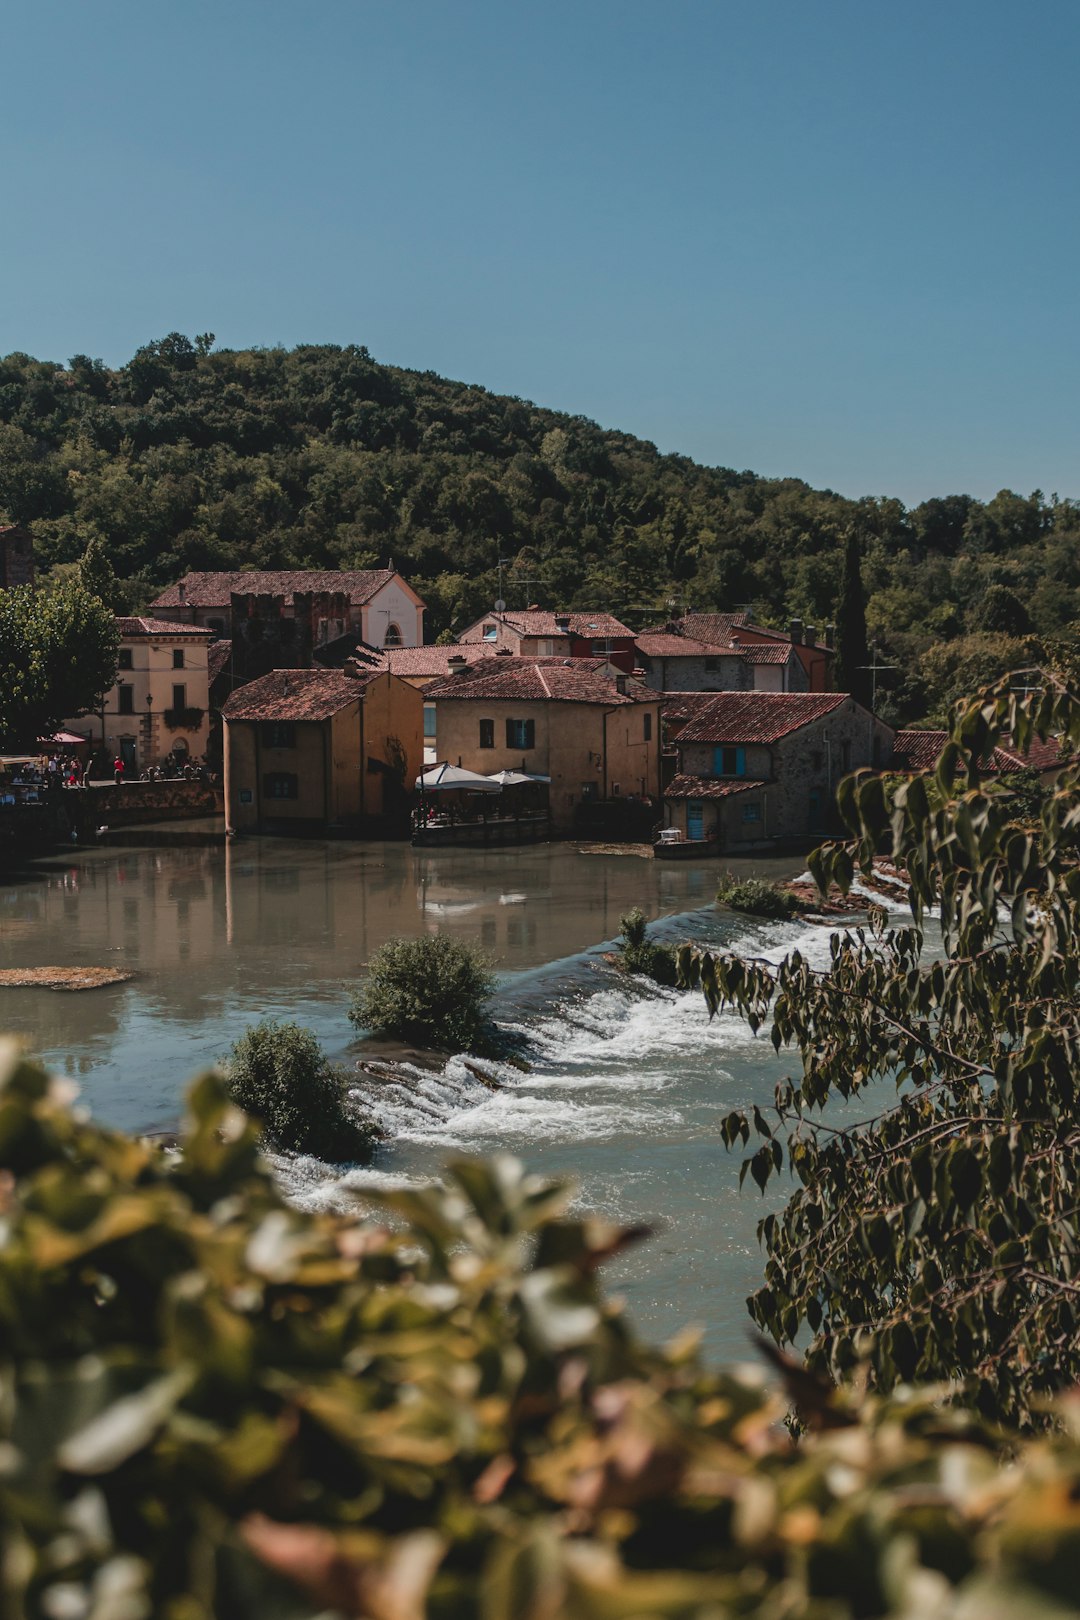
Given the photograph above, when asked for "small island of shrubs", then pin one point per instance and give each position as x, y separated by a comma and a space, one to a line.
432, 991
279, 1073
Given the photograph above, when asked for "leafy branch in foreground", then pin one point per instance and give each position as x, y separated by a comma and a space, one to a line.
214, 1404
938, 1238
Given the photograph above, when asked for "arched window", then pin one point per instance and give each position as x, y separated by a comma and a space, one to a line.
393, 636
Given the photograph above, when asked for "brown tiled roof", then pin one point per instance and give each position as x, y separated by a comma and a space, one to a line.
570, 680
708, 787
217, 657
714, 628
915, 750
766, 652
212, 590
757, 717
128, 627
295, 694
668, 644
539, 622
431, 660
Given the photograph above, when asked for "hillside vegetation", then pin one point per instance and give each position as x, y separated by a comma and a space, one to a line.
320, 456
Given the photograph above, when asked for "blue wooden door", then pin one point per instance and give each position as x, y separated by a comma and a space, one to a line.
695, 819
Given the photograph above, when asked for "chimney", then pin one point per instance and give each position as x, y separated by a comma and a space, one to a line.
795, 631
620, 685
811, 635
456, 663
562, 623
830, 635
181, 591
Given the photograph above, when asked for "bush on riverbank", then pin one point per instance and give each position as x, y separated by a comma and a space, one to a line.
279, 1073
639, 954
756, 897
218, 1404
432, 991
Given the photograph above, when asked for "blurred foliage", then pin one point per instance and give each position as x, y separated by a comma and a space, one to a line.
214, 1406
321, 457
278, 1072
939, 1237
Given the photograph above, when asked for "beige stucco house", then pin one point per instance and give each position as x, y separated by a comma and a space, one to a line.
595, 733
160, 704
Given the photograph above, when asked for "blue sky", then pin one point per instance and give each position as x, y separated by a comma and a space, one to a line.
837, 239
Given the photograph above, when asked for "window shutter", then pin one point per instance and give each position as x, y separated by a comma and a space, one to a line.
718, 761
740, 762
530, 734
511, 733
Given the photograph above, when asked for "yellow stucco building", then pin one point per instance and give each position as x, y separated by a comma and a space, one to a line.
313, 750
594, 733
160, 704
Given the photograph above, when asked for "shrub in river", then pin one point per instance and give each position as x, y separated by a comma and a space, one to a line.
279, 1073
756, 897
432, 991
639, 954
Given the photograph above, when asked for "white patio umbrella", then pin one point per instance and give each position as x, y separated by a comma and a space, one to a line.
515, 778
442, 778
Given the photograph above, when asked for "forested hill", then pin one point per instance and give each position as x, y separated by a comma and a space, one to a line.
187, 458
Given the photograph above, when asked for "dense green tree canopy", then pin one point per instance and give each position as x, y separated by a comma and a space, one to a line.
319, 456
57, 657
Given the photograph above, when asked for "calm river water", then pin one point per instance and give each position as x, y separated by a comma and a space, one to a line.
626, 1088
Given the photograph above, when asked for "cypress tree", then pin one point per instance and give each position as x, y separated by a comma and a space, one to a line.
852, 653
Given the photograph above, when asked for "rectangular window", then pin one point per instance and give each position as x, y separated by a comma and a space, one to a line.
487, 733
712, 664
521, 734
729, 761
490, 632
545, 648
845, 756
280, 785
590, 790
278, 734
646, 722
751, 812
179, 697
123, 658
429, 720
126, 699
178, 658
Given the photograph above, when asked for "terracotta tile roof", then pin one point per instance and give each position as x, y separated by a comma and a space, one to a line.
708, 787
217, 657
525, 680
669, 644
757, 717
295, 694
431, 660
539, 622
766, 653
916, 750
714, 628
212, 590
129, 627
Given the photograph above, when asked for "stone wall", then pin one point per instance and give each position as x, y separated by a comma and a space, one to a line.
133, 803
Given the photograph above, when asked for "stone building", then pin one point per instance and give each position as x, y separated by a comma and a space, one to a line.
674, 662
728, 652
160, 704
16, 556
756, 767
593, 731
318, 750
